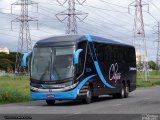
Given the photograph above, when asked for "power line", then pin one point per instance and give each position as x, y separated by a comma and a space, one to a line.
106, 10
108, 28
108, 20
112, 4
154, 5
8, 35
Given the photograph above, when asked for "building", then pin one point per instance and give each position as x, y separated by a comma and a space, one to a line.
4, 50
140, 58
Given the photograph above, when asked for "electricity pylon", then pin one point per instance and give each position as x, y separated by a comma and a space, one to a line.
24, 39
71, 14
158, 45
139, 37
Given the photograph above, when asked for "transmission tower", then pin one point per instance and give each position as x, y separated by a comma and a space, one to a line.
158, 45
24, 39
139, 37
71, 14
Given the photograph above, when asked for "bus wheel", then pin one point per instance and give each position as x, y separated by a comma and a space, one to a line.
50, 102
121, 94
126, 91
88, 98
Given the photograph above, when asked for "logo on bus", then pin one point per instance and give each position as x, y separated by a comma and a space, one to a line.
113, 73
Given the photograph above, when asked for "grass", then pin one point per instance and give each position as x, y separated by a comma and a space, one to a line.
14, 90
18, 90
153, 79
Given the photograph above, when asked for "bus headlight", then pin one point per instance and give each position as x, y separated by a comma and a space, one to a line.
71, 86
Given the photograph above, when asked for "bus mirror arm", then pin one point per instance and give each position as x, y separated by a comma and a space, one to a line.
24, 59
76, 56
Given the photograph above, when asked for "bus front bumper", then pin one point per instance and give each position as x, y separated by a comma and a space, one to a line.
68, 95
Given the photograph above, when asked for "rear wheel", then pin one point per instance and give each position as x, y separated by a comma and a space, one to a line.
88, 98
50, 102
126, 90
122, 91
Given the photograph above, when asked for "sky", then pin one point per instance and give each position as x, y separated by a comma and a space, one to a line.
106, 18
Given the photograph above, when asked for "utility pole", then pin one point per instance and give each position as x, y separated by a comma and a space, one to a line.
158, 45
71, 14
139, 37
24, 39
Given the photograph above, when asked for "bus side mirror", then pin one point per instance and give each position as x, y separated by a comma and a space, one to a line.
24, 59
76, 56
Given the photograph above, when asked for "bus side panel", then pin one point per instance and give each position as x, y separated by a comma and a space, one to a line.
115, 63
101, 88
105, 57
90, 69
133, 71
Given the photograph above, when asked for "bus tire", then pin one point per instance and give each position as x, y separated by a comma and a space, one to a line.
121, 94
50, 102
88, 98
126, 90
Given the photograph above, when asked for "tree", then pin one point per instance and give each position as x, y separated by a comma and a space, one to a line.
152, 65
7, 61
6, 65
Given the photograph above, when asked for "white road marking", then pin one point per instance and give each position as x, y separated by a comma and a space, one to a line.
77, 113
147, 98
117, 105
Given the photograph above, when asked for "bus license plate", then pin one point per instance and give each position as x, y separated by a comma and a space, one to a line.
50, 96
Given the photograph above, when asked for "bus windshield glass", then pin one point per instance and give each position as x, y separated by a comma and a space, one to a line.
52, 64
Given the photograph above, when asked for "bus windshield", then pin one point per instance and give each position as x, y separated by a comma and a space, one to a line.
52, 64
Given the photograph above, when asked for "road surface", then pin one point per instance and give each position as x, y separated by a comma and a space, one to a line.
141, 101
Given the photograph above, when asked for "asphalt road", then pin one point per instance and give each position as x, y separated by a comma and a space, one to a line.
141, 101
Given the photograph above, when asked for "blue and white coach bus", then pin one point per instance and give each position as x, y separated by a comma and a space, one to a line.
81, 67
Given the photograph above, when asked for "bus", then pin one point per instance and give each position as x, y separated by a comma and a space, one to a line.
81, 67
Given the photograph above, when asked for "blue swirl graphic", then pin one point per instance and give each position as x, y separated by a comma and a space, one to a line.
96, 63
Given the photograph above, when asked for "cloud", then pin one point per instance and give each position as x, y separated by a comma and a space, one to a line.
106, 18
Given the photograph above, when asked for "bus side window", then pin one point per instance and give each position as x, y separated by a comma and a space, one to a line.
125, 55
130, 53
80, 66
89, 56
108, 53
131, 56
100, 51
121, 55
114, 54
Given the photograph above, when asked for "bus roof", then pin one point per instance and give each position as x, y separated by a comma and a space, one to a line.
77, 38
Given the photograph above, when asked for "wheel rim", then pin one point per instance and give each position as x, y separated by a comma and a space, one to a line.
122, 92
89, 94
127, 89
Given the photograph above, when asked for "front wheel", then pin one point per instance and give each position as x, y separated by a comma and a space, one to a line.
126, 91
50, 102
88, 98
